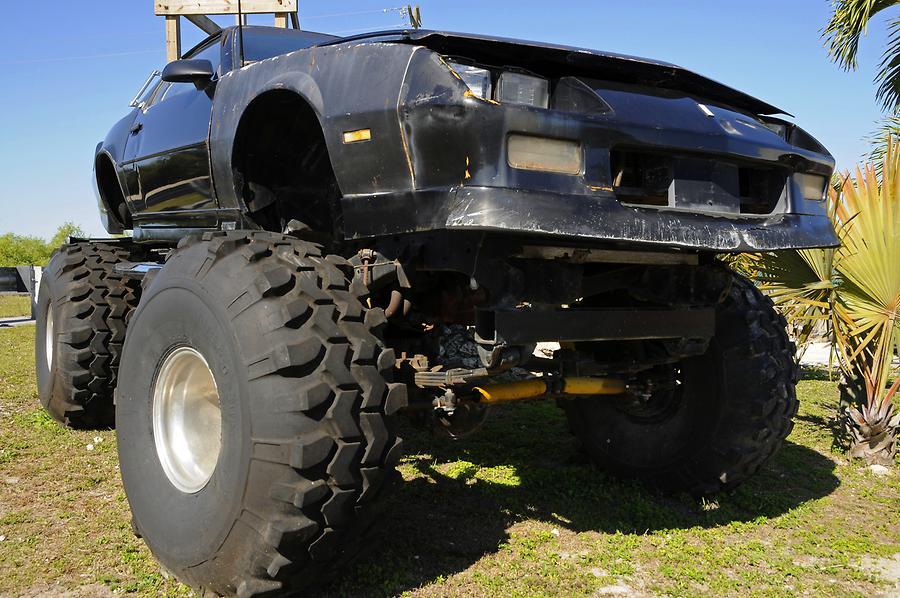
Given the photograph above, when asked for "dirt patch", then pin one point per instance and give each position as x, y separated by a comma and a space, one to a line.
94, 590
888, 569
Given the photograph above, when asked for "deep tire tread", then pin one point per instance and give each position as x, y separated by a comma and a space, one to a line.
758, 417
313, 478
96, 304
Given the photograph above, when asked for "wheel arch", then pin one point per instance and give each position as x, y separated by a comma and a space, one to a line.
114, 212
281, 166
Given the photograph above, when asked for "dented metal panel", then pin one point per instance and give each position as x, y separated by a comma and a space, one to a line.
434, 155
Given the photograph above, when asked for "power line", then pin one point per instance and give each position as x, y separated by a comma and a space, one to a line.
88, 57
350, 14
366, 29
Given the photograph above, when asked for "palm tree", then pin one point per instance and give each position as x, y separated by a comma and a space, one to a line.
888, 128
855, 290
867, 311
848, 24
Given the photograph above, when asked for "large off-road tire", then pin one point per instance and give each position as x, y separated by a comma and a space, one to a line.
83, 306
729, 412
305, 438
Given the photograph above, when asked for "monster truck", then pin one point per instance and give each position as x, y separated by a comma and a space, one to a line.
311, 215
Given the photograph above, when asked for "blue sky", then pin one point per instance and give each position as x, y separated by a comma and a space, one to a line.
70, 68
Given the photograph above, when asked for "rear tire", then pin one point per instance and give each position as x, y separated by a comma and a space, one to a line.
83, 306
307, 414
733, 409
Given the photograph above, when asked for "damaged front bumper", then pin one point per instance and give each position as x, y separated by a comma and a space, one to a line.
578, 219
657, 167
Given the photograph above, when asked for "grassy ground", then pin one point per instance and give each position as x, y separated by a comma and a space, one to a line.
510, 512
14, 305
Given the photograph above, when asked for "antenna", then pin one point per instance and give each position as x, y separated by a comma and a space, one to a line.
240, 34
415, 15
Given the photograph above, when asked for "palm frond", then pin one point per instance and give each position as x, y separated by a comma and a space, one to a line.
886, 129
888, 76
867, 314
801, 284
848, 24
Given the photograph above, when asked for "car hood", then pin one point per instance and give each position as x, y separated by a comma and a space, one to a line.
550, 59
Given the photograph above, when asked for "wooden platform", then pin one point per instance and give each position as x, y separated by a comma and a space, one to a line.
196, 11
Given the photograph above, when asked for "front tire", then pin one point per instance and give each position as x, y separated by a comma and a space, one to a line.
305, 414
82, 311
730, 411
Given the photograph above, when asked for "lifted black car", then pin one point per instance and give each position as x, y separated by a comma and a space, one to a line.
313, 216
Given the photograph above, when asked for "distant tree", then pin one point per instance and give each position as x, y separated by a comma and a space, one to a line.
66, 230
19, 250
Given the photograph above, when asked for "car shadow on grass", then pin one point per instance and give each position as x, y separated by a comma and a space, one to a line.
523, 465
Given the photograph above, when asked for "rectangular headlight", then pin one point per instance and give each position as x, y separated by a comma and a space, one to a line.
516, 88
478, 79
812, 186
546, 155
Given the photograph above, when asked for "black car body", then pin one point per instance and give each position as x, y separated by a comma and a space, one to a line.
331, 232
387, 139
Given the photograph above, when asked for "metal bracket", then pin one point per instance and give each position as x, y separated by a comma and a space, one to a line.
523, 326
136, 270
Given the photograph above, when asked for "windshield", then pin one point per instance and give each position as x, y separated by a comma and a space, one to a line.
265, 42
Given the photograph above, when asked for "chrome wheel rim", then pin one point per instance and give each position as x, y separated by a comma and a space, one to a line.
49, 338
187, 419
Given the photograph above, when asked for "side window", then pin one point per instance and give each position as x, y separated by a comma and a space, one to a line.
211, 52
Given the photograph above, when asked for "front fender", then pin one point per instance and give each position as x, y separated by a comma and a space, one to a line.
349, 87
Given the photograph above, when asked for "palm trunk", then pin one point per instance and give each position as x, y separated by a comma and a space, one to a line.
874, 449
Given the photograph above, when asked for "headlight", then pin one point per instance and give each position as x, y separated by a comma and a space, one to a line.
812, 186
793, 134
516, 88
779, 128
478, 79
512, 88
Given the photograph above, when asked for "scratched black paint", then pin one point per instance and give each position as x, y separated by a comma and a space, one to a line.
437, 157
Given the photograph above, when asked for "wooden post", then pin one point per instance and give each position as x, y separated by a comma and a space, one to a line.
173, 38
281, 19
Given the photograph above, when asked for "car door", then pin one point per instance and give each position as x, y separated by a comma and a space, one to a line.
168, 148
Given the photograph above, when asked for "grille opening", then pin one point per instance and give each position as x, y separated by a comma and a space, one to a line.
695, 183
760, 189
642, 179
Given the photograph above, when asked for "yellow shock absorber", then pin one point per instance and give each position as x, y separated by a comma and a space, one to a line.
512, 391
536, 387
593, 386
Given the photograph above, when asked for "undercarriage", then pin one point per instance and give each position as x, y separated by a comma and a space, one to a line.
267, 372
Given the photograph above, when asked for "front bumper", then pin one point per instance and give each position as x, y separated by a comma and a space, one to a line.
458, 174
579, 219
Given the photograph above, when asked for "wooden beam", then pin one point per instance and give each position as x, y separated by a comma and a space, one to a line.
205, 23
222, 7
281, 20
173, 38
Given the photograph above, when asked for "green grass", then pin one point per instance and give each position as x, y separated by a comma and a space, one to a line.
14, 305
511, 511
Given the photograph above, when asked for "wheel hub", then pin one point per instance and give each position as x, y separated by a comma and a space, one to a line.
49, 338
661, 394
187, 419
